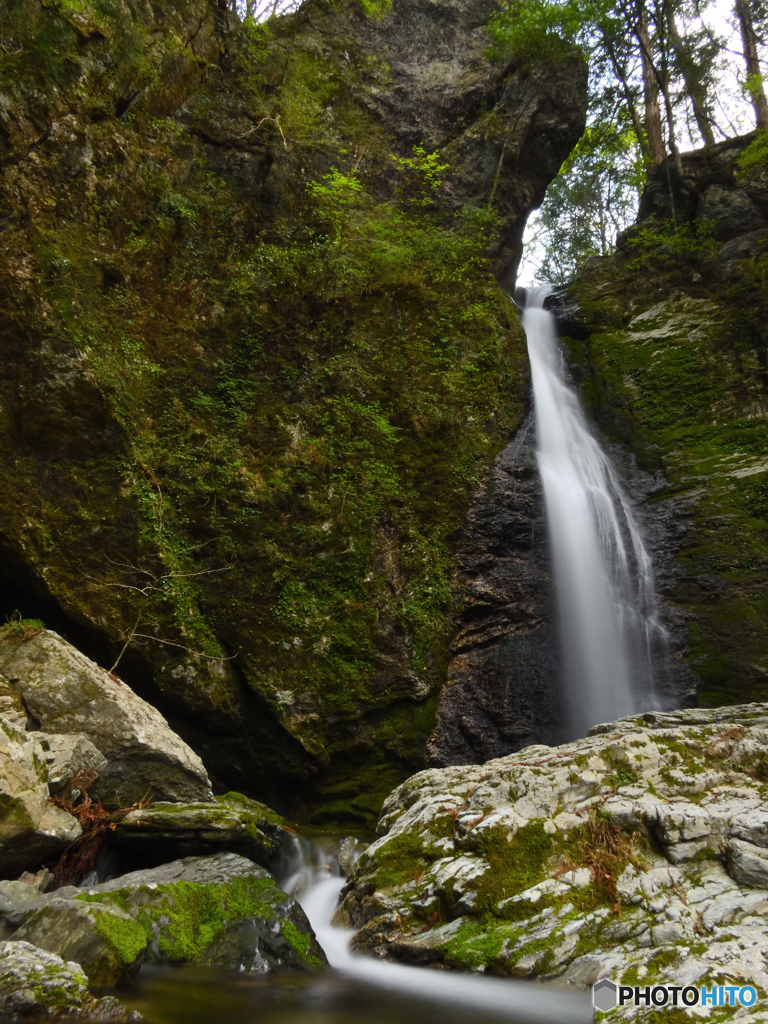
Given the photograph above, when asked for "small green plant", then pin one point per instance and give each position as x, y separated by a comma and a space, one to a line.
427, 172
22, 629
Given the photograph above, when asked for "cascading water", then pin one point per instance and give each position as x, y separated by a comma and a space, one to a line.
611, 634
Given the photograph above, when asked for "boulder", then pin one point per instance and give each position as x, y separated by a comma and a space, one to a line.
68, 757
31, 828
234, 823
17, 901
35, 984
222, 911
67, 693
105, 940
639, 852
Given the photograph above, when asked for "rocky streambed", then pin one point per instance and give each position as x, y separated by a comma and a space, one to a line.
639, 854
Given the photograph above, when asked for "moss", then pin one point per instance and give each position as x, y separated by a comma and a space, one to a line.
181, 919
516, 862
301, 942
127, 939
284, 422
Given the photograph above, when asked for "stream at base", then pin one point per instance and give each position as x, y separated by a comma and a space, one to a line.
356, 990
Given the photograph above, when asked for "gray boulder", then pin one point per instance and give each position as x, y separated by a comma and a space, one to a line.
35, 984
68, 757
67, 693
31, 828
105, 940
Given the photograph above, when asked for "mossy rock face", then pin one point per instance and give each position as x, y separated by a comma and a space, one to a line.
105, 940
222, 911
640, 848
256, 361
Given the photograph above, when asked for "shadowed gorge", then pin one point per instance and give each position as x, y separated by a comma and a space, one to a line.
256, 363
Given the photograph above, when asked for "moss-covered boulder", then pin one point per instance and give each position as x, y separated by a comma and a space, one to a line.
638, 852
37, 985
221, 911
235, 824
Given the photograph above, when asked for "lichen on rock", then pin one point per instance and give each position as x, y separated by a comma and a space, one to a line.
35, 984
640, 848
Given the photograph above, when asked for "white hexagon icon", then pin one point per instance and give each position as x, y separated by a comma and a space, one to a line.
604, 995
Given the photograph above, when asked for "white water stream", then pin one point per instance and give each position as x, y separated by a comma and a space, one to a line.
611, 633
498, 998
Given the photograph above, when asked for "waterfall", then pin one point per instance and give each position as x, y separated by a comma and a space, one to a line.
610, 628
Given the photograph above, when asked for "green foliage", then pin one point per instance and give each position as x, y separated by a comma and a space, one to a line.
592, 199
664, 244
755, 155
535, 29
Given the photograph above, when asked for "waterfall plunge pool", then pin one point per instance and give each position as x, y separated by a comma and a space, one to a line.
355, 990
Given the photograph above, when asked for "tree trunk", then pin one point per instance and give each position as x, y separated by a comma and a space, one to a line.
620, 72
693, 84
650, 90
754, 78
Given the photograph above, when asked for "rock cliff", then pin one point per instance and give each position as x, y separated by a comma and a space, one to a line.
668, 345
255, 363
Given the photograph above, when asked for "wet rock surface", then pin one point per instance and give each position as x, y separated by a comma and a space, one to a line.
37, 985
636, 853
502, 687
66, 693
235, 824
104, 939
222, 911
219, 911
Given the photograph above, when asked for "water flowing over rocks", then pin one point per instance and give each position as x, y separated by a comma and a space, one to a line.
637, 853
64, 692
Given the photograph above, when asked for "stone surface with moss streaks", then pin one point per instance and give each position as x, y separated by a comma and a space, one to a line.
640, 852
221, 911
235, 823
105, 940
35, 984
